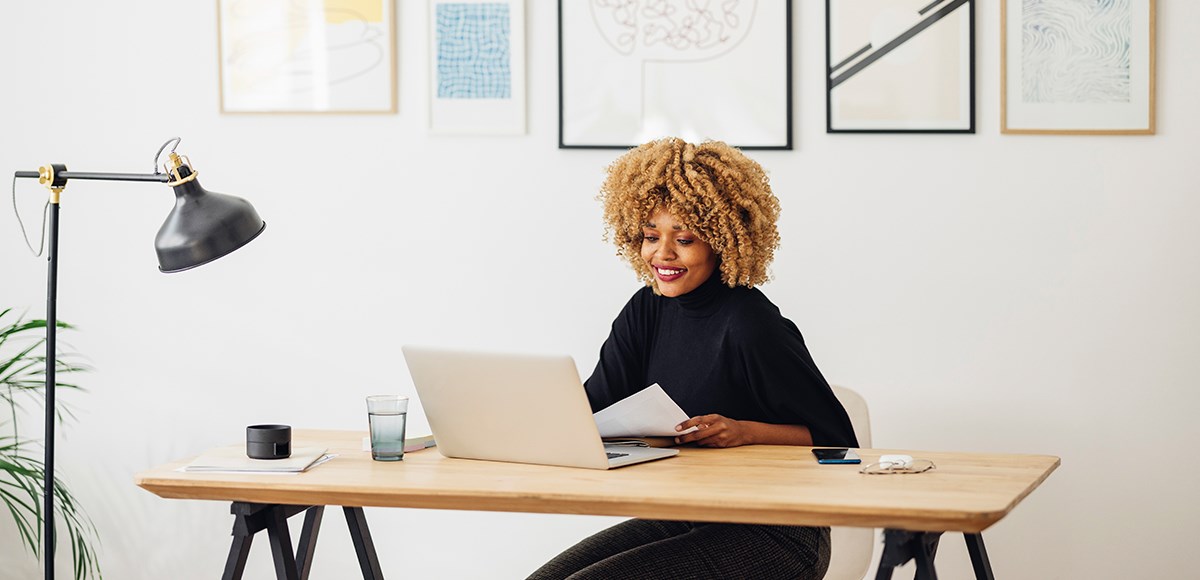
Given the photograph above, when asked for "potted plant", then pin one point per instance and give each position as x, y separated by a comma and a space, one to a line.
22, 382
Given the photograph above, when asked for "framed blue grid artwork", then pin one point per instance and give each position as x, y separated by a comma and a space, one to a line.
477, 68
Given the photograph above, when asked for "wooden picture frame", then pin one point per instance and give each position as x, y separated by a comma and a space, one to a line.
900, 66
277, 56
1096, 78
632, 72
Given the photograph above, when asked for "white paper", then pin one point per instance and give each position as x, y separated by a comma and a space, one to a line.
648, 413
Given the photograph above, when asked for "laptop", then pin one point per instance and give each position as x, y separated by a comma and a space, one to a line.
512, 407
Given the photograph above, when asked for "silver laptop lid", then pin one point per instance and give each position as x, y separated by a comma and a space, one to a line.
506, 407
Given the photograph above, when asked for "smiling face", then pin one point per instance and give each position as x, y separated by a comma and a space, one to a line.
678, 259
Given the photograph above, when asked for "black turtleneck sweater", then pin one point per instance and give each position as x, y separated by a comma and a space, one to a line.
719, 350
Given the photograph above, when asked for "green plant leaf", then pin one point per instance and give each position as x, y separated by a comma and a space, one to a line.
22, 381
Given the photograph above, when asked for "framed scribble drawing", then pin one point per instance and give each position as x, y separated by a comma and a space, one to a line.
635, 70
900, 66
477, 67
1074, 67
324, 56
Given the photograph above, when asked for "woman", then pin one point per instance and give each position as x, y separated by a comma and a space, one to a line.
697, 223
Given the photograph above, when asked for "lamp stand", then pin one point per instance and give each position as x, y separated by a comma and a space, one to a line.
51, 363
202, 227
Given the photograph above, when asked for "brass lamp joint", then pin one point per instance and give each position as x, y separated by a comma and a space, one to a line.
172, 165
46, 177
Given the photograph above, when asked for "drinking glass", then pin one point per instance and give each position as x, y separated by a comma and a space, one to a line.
387, 415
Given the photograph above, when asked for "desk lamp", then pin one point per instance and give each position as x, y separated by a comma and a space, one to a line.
202, 227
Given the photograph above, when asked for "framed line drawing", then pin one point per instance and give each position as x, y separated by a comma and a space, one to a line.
322, 56
634, 70
1077, 68
900, 66
477, 67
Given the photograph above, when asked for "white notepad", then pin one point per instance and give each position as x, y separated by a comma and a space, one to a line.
233, 459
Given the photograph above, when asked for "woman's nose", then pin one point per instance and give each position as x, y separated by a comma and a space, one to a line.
665, 251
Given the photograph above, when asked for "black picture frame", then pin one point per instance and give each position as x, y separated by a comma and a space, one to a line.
768, 105
853, 102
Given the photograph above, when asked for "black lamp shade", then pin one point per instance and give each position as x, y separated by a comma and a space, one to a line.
203, 226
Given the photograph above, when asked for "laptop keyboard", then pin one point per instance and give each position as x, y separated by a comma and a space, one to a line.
612, 455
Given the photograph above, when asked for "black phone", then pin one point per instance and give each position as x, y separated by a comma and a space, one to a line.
836, 455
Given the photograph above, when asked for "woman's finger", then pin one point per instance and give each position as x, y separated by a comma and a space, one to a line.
703, 432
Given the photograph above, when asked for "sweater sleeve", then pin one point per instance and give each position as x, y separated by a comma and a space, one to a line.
622, 365
785, 382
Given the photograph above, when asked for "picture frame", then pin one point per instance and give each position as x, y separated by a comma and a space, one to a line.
477, 67
900, 66
633, 71
1096, 78
279, 56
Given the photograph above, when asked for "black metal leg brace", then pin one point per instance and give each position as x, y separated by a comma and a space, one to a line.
251, 518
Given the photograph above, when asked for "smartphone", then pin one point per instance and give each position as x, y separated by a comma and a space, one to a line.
836, 455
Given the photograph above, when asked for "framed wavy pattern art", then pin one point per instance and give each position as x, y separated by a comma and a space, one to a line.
477, 67
1077, 67
900, 66
323, 56
635, 70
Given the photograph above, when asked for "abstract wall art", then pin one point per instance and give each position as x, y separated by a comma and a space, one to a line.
321, 56
900, 66
477, 67
1077, 66
635, 70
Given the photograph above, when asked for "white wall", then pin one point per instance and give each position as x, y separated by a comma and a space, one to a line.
984, 292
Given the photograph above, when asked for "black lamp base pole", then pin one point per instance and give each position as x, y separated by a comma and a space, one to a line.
51, 361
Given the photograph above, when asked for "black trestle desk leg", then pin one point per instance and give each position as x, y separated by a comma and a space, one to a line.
235, 564
926, 550
363, 545
281, 544
244, 528
308, 540
979, 557
900, 546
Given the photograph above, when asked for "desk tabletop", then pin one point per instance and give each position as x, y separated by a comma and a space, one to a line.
767, 484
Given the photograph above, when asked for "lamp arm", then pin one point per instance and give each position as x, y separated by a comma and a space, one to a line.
65, 175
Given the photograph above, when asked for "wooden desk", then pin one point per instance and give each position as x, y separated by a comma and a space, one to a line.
968, 492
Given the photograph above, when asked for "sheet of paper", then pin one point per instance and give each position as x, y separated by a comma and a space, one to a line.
648, 413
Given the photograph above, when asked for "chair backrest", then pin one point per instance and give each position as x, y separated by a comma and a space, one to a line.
852, 547
856, 407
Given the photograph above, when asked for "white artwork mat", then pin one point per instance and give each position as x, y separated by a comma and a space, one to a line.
1078, 67
900, 65
636, 70
325, 56
477, 67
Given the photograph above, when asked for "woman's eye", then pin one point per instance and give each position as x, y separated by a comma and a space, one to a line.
650, 239
684, 242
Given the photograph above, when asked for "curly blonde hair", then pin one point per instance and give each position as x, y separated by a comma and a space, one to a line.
712, 189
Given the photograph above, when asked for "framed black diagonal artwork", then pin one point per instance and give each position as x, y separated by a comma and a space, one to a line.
900, 66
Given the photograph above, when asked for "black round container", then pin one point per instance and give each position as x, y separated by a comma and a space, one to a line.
269, 441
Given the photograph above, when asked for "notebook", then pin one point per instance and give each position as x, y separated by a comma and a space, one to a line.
513, 407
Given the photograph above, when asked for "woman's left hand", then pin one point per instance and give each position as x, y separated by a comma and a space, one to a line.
714, 431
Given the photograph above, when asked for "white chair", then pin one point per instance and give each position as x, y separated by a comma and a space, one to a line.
852, 547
